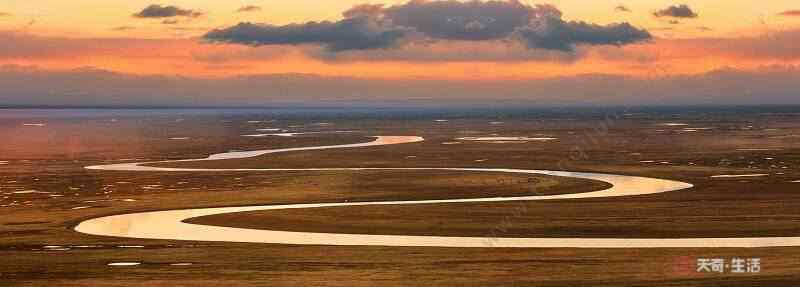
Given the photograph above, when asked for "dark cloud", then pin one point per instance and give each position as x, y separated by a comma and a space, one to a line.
249, 8
158, 11
4, 14
676, 11
454, 51
170, 22
371, 26
790, 13
357, 33
556, 34
622, 8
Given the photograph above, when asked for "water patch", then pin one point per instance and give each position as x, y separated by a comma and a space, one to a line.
739, 175
56, 248
32, 191
269, 135
672, 124
291, 134
81, 207
697, 129
87, 246
124, 264
507, 139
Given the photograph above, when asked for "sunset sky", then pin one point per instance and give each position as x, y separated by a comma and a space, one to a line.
140, 52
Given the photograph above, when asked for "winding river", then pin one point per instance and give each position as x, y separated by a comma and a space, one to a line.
171, 225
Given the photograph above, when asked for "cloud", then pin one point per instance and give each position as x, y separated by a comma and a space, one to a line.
790, 13
375, 26
622, 8
676, 11
557, 34
158, 11
249, 8
473, 20
357, 33
5, 14
367, 10
497, 51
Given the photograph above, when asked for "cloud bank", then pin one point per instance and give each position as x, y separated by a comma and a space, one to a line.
349, 34
367, 27
556, 34
92, 87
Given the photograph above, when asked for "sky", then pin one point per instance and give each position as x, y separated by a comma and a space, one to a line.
344, 52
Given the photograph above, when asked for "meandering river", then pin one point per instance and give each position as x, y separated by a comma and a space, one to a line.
171, 225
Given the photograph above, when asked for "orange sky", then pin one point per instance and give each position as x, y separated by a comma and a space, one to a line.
59, 35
